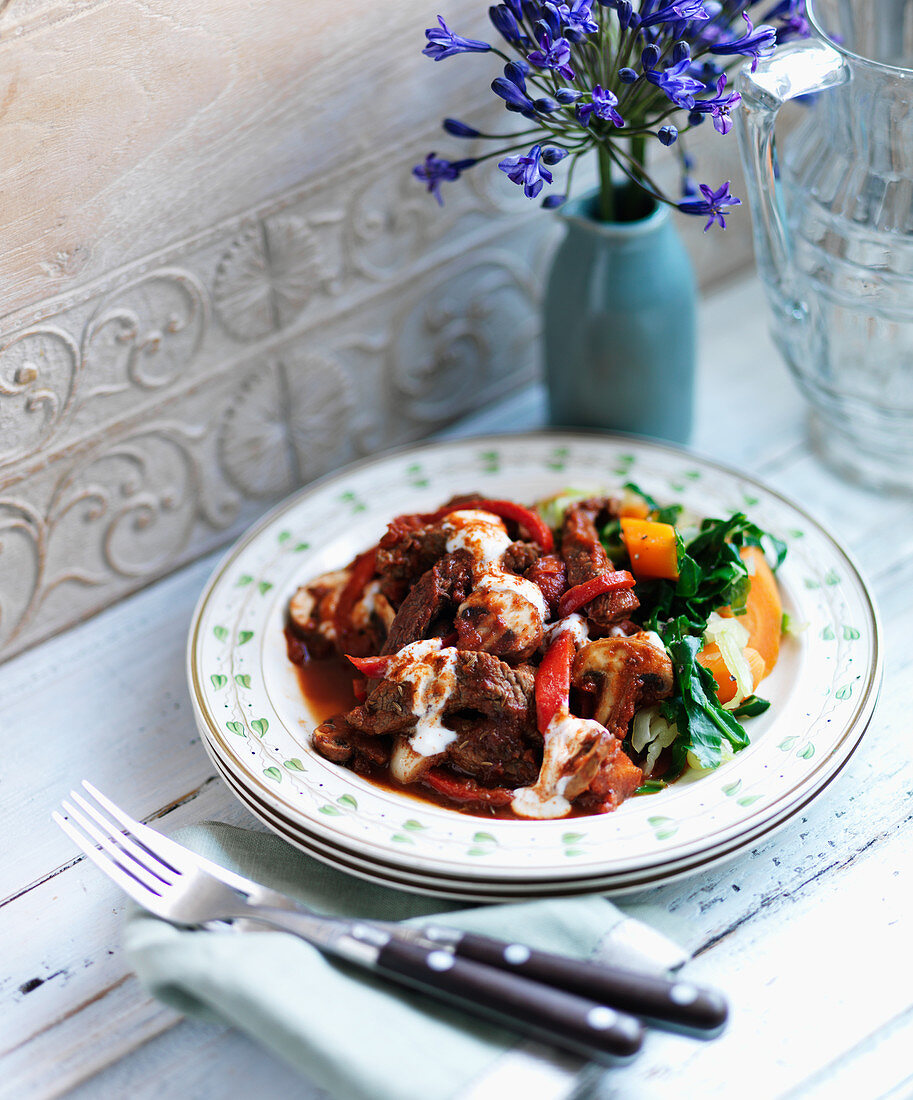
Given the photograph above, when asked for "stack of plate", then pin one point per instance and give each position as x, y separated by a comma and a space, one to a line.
256, 724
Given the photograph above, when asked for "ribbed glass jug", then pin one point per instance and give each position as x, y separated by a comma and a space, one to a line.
833, 224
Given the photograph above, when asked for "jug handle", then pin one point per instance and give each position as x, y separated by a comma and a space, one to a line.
796, 69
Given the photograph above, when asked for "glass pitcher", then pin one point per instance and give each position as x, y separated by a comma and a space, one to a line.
833, 227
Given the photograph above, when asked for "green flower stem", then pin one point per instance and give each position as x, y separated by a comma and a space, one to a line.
606, 187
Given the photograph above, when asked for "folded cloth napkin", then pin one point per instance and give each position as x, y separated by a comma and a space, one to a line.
355, 1036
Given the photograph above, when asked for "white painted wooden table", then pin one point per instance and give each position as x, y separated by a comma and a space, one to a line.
810, 933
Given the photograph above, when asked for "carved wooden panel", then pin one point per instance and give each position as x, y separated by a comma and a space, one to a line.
219, 279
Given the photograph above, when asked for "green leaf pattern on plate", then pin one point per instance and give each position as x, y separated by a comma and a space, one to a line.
348, 800
220, 632
293, 765
236, 728
244, 636
273, 773
218, 680
260, 726
242, 679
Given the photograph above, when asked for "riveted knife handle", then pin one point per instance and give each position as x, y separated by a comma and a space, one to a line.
674, 1002
563, 1019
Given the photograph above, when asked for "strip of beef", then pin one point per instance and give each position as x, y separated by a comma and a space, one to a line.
437, 593
550, 573
586, 559
409, 548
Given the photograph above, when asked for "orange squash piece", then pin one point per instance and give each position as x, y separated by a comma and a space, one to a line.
711, 658
763, 618
651, 547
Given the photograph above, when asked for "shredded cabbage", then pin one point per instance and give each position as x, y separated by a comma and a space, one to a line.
727, 753
650, 728
732, 637
552, 508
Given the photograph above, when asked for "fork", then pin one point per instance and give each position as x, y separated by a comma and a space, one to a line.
177, 889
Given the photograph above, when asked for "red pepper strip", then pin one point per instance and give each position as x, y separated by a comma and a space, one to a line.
466, 790
362, 572
553, 680
375, 668
581, 594
535, 527
360, 689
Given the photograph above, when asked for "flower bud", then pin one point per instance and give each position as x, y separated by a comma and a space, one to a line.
668, 135
681, 51
459, 129
627, 76
552, 155
650, 56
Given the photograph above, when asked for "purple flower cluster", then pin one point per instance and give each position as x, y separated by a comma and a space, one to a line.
610, 75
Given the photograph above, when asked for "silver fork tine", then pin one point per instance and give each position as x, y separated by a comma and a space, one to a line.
142, 834
124, 879
135, 870
140, 854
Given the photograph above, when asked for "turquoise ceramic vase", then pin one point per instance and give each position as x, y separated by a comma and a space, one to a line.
619, 325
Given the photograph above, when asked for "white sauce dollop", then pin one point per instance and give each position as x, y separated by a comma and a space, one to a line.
563, 738
485, 537
431, 670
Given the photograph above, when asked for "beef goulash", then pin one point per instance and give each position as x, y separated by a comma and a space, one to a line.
496, 664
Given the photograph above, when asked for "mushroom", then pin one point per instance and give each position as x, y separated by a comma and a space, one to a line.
624, 673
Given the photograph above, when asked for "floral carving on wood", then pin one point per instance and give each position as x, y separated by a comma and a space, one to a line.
285, 423
266, 276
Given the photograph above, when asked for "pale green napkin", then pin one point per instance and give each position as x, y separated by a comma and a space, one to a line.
355, 1036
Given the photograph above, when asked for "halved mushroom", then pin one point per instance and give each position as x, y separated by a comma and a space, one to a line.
624, 674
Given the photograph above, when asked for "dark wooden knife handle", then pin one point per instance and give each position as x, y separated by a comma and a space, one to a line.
673, 1002
553, 1015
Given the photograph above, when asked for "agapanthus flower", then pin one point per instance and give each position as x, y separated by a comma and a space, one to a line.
719, 107
791, 20
602, 105
757, 42
442, 42
671, 13
553, 54
714, 203
576, 17
529, 172
676, 82
668, 135
434, 170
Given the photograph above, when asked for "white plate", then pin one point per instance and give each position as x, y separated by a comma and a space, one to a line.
249, 707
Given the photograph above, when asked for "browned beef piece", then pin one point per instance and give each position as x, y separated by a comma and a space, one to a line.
438, 592
617, 779
406, 552
490, 687
520, 556
586, 558
489, 696
338, 741
495, 754
550, 573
